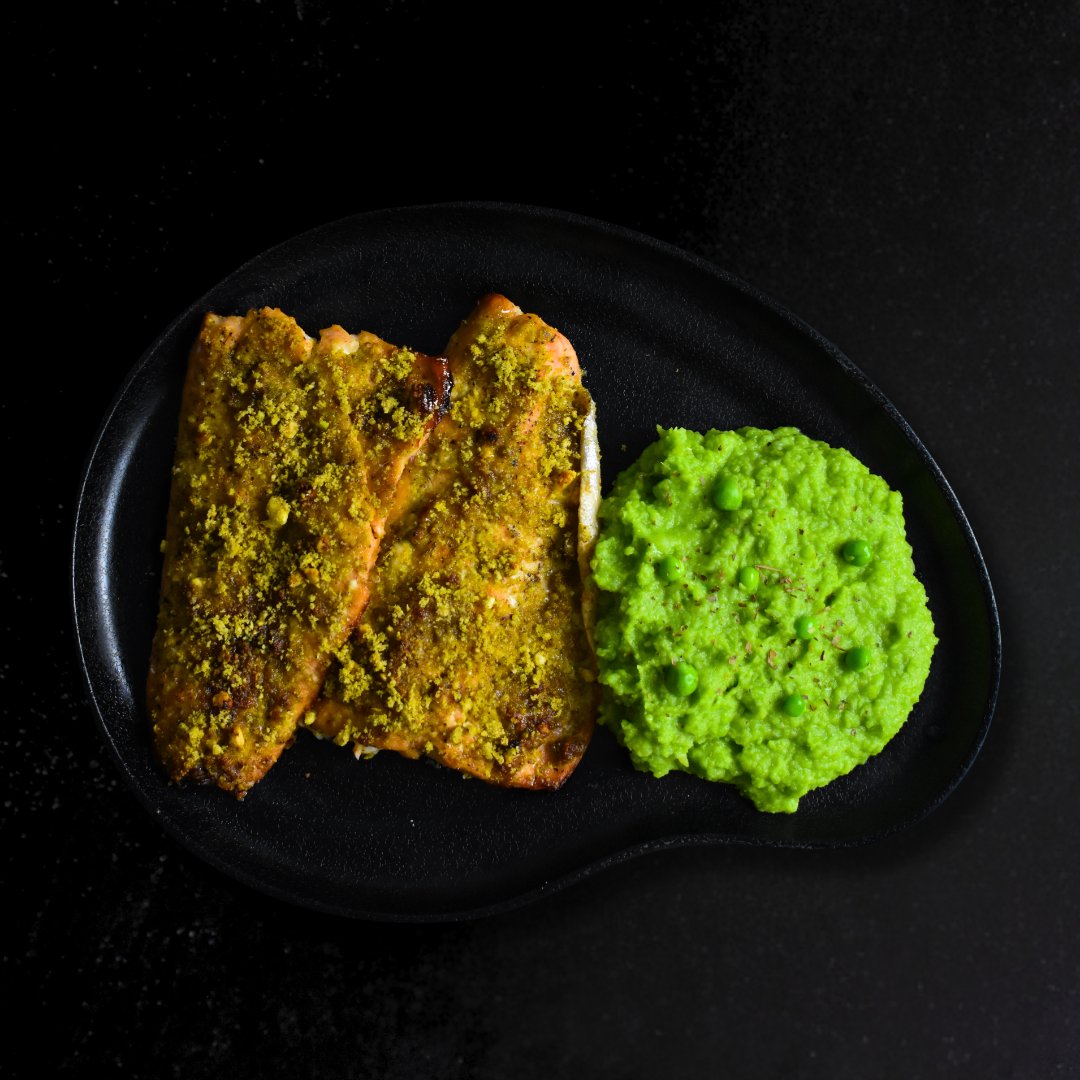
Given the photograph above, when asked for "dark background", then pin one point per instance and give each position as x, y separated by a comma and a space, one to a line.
904, 177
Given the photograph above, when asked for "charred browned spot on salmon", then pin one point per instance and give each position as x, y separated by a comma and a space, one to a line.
473, 649
433, 396
288, 453
566, 750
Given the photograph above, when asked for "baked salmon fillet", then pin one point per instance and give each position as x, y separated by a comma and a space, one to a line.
288, 453
473, 649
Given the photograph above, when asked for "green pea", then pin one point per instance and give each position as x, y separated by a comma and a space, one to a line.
856, 659
749, 578
856, 553
805, 627
727, 495
681, 679
669, 568
793, 705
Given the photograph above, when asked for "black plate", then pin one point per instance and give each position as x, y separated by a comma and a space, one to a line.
665, 338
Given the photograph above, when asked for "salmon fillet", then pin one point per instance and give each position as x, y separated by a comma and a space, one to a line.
473, 648
288, 453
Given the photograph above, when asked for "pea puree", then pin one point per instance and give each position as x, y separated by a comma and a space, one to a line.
760, 621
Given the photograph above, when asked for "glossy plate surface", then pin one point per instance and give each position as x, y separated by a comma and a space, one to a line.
665, 338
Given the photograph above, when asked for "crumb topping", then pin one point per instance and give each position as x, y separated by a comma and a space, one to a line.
472, 648
286, 454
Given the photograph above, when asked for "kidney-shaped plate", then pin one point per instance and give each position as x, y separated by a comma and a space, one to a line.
665, 338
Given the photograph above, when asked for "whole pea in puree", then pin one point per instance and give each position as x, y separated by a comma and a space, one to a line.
760, 621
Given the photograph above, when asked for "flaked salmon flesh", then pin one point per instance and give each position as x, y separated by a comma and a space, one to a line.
473, 648
288, 458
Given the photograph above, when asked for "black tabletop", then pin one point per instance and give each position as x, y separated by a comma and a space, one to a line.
905, 179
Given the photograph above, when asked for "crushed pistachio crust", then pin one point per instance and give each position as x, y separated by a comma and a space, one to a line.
287, 455
472, 649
